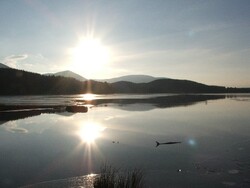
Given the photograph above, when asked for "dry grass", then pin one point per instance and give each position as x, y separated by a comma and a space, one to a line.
111, 177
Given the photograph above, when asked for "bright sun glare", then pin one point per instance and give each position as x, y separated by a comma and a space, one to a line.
90, 132
90, 55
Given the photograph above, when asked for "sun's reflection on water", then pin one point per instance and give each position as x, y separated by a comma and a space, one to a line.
88, 96
86, 99
90, 131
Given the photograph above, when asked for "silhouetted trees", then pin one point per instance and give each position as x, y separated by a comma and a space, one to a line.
19, 82
166, 86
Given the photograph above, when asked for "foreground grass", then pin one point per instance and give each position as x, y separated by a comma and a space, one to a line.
111, 177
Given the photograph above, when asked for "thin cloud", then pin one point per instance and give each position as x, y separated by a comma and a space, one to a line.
30, 62
16, 57
12, 60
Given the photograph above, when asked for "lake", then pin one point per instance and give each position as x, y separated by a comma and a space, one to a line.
122, 130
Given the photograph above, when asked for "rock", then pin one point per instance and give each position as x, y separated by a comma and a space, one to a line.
75, 109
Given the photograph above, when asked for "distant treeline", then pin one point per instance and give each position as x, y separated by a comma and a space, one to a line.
173, 86
19, 82
167, 86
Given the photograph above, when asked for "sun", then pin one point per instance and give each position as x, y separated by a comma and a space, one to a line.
89, 56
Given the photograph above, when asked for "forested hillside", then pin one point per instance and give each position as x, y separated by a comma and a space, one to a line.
19, 82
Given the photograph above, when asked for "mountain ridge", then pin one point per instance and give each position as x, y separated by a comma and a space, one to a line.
3, 66
68, 74
135, 78
20, 82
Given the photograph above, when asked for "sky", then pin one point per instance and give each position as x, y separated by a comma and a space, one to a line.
199, 40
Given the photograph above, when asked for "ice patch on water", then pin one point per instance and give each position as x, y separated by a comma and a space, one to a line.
18, 130
13, 127
233, 171
229, 183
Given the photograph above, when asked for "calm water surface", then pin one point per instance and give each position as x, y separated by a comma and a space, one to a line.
122, 130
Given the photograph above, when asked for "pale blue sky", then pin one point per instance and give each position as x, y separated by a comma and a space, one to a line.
204, 41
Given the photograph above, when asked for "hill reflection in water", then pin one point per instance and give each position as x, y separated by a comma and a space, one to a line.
15, 112
213, 131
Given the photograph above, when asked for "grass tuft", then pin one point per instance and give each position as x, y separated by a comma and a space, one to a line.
111, 177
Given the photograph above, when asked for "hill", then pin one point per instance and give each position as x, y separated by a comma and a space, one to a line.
4, 66
131, 78
18, 82
166, 86
68, 74
127, 78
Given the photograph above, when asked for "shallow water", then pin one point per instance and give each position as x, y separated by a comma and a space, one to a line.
122, 130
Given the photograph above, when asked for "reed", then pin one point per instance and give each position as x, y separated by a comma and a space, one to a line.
111, 177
